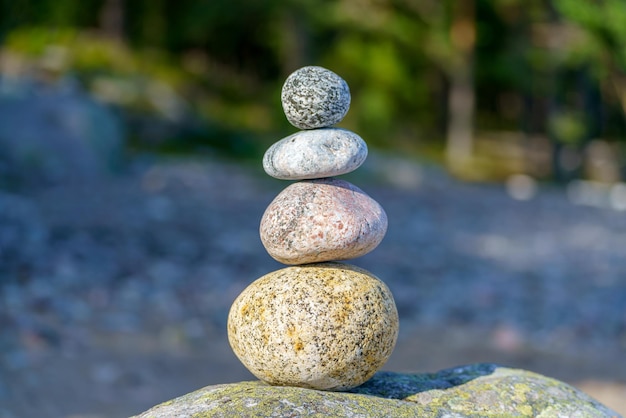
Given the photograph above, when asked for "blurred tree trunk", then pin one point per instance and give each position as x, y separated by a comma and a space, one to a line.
154, 23
461, 100
295, 44
112, 18
461, 96
563, 145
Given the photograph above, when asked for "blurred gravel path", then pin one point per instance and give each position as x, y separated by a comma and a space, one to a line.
114, 295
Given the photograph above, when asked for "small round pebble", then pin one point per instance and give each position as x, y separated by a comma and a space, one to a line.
315, 154
314, 97
312, 221
327, 326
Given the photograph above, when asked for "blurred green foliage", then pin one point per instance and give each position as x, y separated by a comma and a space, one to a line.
211, 70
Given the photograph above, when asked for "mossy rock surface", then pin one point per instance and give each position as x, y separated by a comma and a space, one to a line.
479, 390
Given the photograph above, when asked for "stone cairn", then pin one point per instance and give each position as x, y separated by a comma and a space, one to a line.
319, 323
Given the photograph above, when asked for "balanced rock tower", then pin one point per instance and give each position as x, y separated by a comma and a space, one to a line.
318, 323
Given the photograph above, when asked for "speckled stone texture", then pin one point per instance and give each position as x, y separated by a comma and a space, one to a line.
315, 154
314, 97
320, 220
326, 326
473, 391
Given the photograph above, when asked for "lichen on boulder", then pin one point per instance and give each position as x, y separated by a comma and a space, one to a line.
478, 390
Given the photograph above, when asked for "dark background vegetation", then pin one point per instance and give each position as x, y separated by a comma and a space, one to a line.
490, 87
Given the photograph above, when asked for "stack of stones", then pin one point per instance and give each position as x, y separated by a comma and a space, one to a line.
319, 323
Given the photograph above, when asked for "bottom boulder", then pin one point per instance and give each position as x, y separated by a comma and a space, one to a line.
478, 390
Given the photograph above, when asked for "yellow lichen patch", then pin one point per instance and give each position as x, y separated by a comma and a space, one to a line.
245, 309
519, 392
525, 410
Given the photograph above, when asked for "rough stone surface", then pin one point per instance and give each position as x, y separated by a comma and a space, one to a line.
314, 97
325, 326
315, 154
322, 220
474, 391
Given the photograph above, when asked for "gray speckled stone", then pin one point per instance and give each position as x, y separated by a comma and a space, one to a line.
315, 154
327, 326
314, 97
322, 220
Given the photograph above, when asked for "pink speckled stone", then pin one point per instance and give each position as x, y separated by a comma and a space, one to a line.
326, 326
322, 220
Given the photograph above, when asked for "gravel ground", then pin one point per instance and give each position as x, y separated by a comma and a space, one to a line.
114, 294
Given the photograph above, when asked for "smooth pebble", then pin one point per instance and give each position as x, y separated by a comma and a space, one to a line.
314, 97
322, 220
314, 154
326, 326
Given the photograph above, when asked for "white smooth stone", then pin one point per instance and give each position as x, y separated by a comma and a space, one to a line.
315, 154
